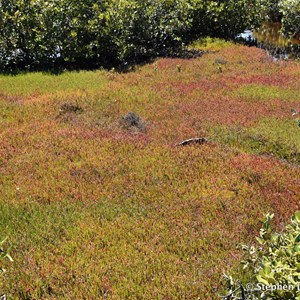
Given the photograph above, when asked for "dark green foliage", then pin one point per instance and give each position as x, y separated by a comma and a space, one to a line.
287, 12
95, 33
271, 10
225, 18
290, 10
44, 32
271, 265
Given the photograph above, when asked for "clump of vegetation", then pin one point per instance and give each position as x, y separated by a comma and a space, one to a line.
225, 19
70, 108
272, 266
133, 121
290, 10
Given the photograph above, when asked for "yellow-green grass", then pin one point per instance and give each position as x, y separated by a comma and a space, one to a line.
96, 210
210, 44
42, 83
275, 137
257, 92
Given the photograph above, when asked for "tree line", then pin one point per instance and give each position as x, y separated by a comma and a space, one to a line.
92, 33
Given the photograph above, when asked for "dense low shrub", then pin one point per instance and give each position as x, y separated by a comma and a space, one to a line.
35, 33
225, 19
89, 33
273, 267
290, 10
96, 33
271, 10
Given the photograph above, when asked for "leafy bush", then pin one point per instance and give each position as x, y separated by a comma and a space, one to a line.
285, 11
96, 33
272, 265
226, 19
41, 32
90, 33
270, 10
146, 28
290, 10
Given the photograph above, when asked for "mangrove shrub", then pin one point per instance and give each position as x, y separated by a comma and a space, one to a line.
93, 33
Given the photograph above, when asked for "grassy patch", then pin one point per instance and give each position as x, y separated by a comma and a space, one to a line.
254, 92
42, 83
210, 44
280, 138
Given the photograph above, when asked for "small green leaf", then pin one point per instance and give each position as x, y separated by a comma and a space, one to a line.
297, 216
262, 280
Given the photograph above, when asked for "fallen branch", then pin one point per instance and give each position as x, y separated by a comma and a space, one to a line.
201, 141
